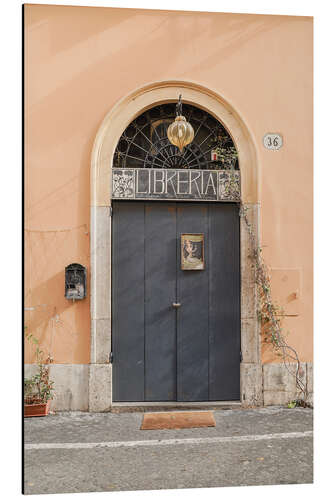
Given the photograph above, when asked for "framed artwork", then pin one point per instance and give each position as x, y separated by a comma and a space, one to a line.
192, 252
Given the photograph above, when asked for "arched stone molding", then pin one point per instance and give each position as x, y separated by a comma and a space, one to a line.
126, 110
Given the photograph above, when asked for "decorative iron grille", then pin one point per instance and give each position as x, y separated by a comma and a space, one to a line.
144, 143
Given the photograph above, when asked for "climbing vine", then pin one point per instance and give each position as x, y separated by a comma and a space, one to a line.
270, 315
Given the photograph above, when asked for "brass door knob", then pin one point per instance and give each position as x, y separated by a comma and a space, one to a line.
176, 304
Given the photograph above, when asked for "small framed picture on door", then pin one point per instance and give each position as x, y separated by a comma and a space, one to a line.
192, 252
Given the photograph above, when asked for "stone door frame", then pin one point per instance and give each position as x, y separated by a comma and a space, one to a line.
123, 113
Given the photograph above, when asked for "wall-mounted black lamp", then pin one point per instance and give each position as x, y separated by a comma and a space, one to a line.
75, 282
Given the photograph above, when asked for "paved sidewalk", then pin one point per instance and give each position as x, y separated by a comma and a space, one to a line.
80, 452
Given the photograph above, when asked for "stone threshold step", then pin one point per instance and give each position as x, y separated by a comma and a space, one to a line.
173, 405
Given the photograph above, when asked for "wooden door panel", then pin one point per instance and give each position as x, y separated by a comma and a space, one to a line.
160, 293
167, 354
224, 302
192, 321
128, 301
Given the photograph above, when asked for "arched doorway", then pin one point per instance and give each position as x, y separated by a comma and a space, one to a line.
104, 154
175, 262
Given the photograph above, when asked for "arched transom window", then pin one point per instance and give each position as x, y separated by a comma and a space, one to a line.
144, 143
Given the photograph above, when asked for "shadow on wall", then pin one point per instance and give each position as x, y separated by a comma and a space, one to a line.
59, 324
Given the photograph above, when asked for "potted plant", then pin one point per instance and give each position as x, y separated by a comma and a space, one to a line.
38, 389
223, 155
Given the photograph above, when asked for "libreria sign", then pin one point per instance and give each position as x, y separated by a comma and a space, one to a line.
146, 184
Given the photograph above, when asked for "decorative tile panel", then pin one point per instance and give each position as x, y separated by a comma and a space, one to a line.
229, 185
123, 183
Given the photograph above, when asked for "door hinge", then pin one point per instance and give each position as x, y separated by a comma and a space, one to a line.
111, 357
110, 213
241, 356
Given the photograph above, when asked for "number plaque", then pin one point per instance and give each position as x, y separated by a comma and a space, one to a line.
273, 141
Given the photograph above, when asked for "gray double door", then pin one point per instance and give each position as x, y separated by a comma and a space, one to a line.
167, 353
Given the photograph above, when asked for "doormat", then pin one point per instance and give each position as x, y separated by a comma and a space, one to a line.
177, 420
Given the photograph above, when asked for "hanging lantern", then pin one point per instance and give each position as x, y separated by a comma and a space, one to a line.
180, 132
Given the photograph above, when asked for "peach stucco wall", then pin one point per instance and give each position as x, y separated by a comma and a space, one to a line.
80, 61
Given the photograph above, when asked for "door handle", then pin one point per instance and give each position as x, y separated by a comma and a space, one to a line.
176, 304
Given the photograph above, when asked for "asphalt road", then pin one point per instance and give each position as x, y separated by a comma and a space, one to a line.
108, 452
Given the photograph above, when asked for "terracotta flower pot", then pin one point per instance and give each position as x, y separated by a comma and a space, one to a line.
37, 409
